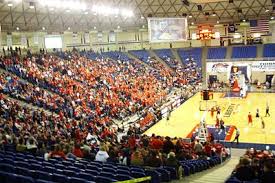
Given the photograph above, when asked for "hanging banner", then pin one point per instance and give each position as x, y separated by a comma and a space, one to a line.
99, 37
86, 38
35, 39
24, 41
256, 66
9, 40
75, 38
112, 37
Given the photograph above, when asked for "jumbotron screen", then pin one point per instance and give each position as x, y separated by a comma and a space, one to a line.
167, 29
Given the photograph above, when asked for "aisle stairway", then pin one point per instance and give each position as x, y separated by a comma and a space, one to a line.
217, 174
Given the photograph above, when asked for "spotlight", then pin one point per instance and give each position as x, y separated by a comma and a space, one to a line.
214, 14
244, 20
94, 27
190, 16
218, 21
10, 4
192, 23
266, 10
69, 28
43, 28
17, 28
272, 18
68, 10
31, 5
86, 12
118, 27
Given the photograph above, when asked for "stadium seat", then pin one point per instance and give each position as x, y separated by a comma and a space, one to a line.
138, 174
59, 178
102, 179
87, 176
156, 176
122, 177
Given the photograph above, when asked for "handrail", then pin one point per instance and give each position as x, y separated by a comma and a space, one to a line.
142, 179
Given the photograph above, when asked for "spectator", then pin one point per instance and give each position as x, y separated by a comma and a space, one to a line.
102, 155
244, 172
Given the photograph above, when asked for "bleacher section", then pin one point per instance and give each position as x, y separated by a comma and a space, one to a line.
140, 54
91, 55
116, 55
216, 53
26, 168
269, 50
244, 52
195, 53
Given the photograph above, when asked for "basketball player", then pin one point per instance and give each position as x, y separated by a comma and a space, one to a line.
168, 116
249, 119
263, 124
267, 110
237, 135
257, 113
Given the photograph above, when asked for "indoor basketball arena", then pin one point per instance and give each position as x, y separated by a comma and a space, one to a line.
137, 91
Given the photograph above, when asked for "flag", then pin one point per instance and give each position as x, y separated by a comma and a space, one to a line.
257, 26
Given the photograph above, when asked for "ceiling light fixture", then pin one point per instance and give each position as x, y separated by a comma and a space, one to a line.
17, 28
10, 4
69, 28
31, 5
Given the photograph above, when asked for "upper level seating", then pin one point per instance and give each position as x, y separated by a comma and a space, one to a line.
244, 52
164, 53
91, 55
167, 56
116, 55
216, 53
195, 53
269, 50
142, 55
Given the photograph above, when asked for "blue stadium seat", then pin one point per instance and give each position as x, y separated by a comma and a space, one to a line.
44, 175
156, 176
244, 52
59, 178
165, 174
195, 53
269, 50
92, 172
124, 172
121, 177
172, 170
109, 170
141, 54
87, 176
107, 174
216, 53
138, 174
101, 179
43, 181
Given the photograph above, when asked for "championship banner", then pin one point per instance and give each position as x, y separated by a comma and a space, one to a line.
36, 39
99, 37
86, 38
9, 40
24, 41
75, 38
263, 66
112, 37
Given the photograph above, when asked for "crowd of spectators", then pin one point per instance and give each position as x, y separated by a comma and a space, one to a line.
77, 101
256, 165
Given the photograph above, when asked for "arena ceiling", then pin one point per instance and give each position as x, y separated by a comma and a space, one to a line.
59, 18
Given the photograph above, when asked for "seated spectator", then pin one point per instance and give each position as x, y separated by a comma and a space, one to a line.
77, 151
31, 145
153, 160
102, 155
172, 160
244, 171
268, 174
57, 153
168, 145
137, 158
21, 147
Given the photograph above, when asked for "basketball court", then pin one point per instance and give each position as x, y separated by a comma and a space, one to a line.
234, 111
